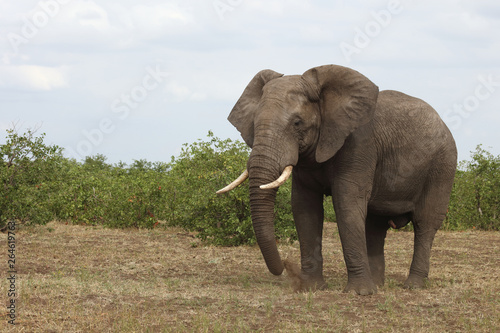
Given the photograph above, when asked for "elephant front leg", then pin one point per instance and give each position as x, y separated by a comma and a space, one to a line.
351, 215
376, 232
307, 207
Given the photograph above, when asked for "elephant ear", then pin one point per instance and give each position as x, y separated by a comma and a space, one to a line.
347, 100
242, 115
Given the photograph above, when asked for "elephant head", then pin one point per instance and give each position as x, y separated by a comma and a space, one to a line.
287, 119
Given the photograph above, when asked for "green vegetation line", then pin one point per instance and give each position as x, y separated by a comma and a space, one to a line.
38, 185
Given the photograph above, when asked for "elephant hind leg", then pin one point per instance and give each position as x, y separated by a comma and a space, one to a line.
376, 231
419, 270
427, 219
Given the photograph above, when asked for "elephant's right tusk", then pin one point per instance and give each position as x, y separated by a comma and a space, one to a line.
280, 181
235, 183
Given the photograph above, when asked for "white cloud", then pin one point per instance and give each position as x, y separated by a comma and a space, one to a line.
111, 25
178, 92
32, 77
89, 13
160, 16
432, 50
282, 8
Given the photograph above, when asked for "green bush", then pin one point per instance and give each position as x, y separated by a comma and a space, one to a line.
205, 167
115, 196
475, 199
27, 171
38, 185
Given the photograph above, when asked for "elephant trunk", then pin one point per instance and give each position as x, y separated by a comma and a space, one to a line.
262, 210
264, 167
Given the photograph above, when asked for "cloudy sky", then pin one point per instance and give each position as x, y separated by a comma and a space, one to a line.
137, 79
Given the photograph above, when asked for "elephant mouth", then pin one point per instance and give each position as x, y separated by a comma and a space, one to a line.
275, 184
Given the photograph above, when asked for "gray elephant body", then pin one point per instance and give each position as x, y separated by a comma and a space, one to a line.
385, 158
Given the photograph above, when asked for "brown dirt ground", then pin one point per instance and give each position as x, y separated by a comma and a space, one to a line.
91, 279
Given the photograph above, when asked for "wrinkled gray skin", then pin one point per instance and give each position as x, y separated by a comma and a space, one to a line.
385, 158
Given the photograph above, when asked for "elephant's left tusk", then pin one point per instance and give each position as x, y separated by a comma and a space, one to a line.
280, 181
235, 183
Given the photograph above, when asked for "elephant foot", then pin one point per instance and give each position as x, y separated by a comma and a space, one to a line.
361, 287
378, 280
307, 284
377, 268
415, 282
302, 282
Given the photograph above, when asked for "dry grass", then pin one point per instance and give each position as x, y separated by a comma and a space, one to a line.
89, 279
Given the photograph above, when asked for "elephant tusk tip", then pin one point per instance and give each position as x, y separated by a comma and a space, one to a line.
222, 190
235, 183
280, 181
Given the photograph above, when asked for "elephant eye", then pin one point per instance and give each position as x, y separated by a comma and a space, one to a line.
297, 122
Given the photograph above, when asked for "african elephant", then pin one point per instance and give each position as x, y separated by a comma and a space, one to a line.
385, 158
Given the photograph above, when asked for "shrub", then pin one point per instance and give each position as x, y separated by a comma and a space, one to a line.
475, 199
115, 196
201, 169
38, 185
27, 171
